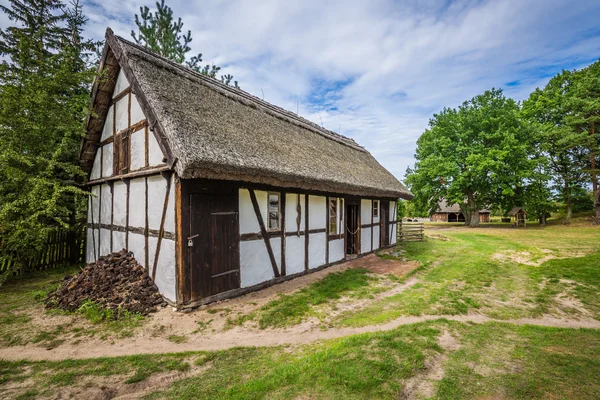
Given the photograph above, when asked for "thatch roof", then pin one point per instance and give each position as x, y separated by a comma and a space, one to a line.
443, 208
515, 211
209, 130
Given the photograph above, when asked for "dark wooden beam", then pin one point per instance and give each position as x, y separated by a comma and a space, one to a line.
282, 205
263, 231
306, 232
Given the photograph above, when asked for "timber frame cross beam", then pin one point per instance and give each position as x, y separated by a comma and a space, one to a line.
263, 231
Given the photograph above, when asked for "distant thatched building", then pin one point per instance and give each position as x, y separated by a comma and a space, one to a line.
453, 213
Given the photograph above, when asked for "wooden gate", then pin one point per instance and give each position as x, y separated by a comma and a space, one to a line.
412, 232
213, 244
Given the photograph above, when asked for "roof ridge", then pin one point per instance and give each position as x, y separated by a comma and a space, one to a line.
219, 86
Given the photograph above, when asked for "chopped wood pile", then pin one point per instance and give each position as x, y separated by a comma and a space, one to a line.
115, 281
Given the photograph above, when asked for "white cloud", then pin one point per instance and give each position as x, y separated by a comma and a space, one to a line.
385, 65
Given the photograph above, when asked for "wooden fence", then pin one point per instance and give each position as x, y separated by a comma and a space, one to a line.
410, 232
62, 247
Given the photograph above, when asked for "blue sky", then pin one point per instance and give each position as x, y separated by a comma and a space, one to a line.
377, 70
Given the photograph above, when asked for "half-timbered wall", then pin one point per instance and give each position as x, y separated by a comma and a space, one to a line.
127, 210
302, 252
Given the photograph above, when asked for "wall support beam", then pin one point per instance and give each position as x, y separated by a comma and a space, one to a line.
263, 231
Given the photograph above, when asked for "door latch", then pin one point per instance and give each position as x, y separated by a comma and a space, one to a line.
191, 240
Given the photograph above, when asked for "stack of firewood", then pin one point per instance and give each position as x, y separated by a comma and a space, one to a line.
115, 281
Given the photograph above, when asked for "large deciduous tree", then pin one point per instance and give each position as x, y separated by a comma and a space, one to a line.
566, 115
44, 95
477, 156
161, 33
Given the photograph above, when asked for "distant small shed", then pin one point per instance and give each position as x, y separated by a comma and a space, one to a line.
519, 217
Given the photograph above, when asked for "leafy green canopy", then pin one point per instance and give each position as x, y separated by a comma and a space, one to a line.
478, 155
159, 32
44, 94
566, 114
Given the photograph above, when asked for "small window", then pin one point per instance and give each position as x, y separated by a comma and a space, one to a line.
375, 208
341, 228
336, 215
274, 212
121, 154
333, 216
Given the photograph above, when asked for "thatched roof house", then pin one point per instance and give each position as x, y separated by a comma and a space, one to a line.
216, 191
452, 213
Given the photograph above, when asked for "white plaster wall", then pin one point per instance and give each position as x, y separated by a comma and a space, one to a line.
121, 84
316, 248
118, 240
255, 265
376, 230
157, 186
94, 208
137, 114
248, 221
104, 242
170, 217
294, 254
393, 231
165, 267
95, 174
122, 114
365, 240
393, 211
365, 213
105, 205
317, 209
107, 130
91, 241
137, 244
291, 212
137, 203
120, 203
107, 160
336, 250
155, 155
138, 150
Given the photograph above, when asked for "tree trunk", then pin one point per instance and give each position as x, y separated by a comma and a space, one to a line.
473, 217
542, 220
568, 202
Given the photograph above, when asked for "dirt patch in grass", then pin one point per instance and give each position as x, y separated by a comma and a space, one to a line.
384, 266
423, 384
525, 257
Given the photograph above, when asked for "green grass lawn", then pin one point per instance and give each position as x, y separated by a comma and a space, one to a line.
492, 271
493, 360
21, 299
500, 272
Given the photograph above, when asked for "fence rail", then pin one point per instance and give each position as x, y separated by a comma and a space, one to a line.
411, 232
61, 247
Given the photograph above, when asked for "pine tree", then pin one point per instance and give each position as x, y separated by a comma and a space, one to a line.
159, 32
44, 81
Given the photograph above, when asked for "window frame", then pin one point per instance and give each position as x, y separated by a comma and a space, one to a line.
269, 228
339, 217
333, 218
375, 209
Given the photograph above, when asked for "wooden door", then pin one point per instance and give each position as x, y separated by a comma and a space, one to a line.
352, 229
214, 239
384, 229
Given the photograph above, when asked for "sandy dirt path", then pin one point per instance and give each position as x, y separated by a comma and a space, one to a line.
240, 336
